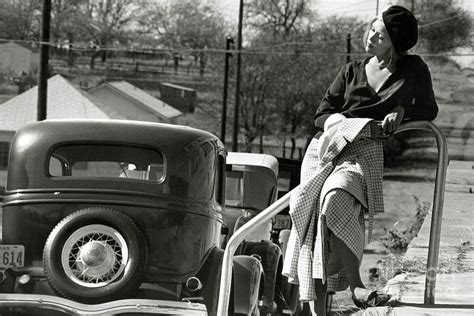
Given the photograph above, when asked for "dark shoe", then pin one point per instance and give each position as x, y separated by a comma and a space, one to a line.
373, 300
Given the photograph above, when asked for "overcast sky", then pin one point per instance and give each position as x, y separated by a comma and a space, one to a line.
364, 9
360, 8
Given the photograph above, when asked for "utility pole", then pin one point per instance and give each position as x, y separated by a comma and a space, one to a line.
43, 66
377, 8
229, 40
235, 145
348, 47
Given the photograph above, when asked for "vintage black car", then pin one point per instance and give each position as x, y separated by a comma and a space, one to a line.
122, 212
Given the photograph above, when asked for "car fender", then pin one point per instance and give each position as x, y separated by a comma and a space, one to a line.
270, 255
248, 275
210, 275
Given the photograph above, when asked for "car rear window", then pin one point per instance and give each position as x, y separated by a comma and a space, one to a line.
107, 161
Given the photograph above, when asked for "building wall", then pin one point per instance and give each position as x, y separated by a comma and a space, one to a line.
125, 106
15, 58
181, 98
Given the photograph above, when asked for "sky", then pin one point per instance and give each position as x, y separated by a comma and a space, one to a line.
360, 8
364, 9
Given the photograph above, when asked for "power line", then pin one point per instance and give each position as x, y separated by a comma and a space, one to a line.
441, 21
339, 8
357, 10
84, 47
234, 51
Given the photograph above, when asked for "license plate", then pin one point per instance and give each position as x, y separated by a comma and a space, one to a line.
282, 222
12, 256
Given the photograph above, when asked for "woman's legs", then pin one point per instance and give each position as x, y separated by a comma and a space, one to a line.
345, 239
340, 257
350, 262
319, 307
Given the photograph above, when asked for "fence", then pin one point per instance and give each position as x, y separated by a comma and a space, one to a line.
151, 63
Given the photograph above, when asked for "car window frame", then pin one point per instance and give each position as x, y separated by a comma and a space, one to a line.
104, 143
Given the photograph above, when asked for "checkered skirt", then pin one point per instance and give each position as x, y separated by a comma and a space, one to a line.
333, 192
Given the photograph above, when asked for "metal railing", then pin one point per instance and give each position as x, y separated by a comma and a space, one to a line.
437, 208
282, 203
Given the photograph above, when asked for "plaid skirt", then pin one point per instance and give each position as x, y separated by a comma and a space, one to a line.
330, 201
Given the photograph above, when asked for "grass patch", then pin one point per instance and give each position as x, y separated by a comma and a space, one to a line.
396, 264
397, 241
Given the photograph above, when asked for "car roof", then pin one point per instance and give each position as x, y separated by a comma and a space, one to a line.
254, 161
33, 144
146, 133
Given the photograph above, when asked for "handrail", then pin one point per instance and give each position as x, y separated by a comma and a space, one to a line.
437, 209
282, 203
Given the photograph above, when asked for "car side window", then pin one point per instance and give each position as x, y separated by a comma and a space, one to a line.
107, 161
234, 188
58, 167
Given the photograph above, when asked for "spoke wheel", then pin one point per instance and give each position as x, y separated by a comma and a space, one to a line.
95, 255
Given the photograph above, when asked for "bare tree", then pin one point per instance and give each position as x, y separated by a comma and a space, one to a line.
255, 103
20, 19
105, 22
444, 25
281, 17
298, 70
185, 25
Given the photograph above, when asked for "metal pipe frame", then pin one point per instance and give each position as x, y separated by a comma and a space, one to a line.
281, 204
437, 207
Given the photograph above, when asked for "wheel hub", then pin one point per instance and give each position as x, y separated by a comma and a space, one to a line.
96, 260
93, 254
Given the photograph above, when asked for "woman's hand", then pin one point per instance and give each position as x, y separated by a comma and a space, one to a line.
392, 120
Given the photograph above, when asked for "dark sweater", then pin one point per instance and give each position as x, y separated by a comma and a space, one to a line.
350, 94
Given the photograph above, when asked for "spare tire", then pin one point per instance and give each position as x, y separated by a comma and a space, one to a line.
95, 255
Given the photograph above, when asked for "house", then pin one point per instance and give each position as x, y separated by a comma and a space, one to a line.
116, 100
16, 57
134, 103
63, 101
182, 98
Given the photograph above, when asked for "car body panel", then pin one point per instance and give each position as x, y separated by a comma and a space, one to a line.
142, 306
180, 240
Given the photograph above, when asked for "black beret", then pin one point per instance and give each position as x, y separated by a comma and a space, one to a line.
401, 26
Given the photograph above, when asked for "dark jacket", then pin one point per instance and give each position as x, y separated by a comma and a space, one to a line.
350, 94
